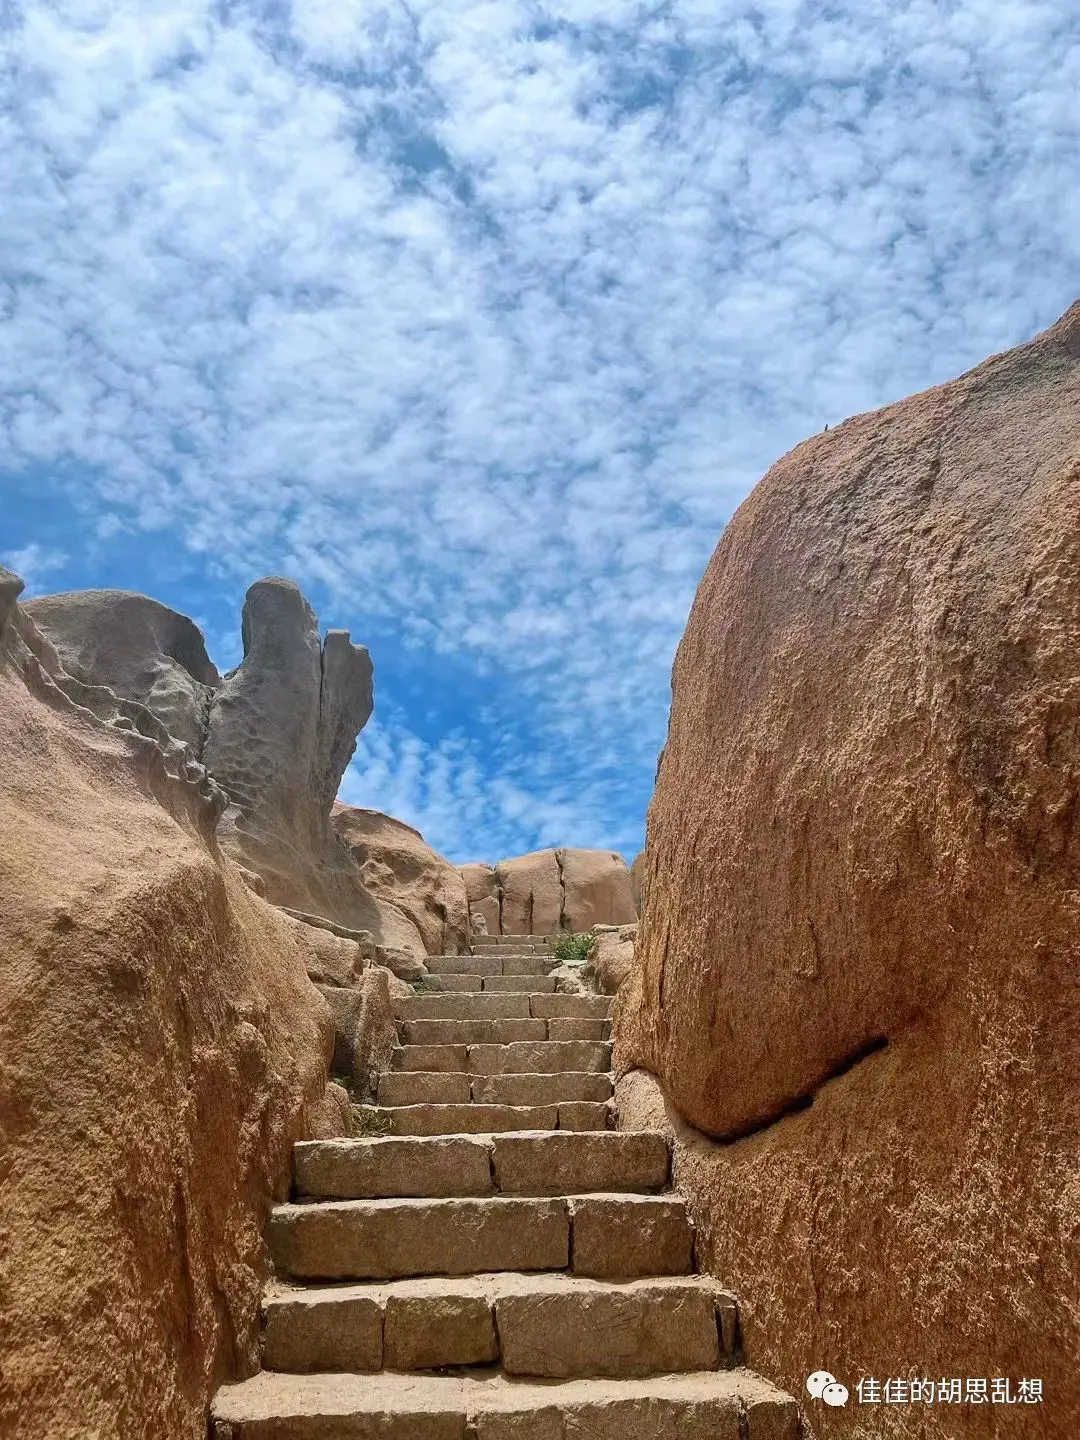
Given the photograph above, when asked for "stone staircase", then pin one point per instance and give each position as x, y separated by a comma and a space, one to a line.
501, 1265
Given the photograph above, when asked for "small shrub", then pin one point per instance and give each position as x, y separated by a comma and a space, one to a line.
573, 949
367, 1121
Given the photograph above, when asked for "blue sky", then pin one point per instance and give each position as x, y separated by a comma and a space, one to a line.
479, 317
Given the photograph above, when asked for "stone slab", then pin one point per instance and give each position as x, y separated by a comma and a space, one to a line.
538, 1058
528, 964
588, 1328
464, 964
424, 1331
568, 1029
314, 1330
423, 1087
620, 1237
387, 1166
462, 1007
549, 1089
584, 1115
571, 1007
703, 1405
457, 983
446, 1058
382, 1239
471, 1032
469, 1119
524, 984
565, 1163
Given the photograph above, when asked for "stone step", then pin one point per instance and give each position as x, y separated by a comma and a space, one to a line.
701, 1405
547, 1326
571, 1007
539, 1057
614, 1236
544, 1163
523, 984
471, 1032
567, 1028
477, 1118
462, 1007
442, 1087
490, 965
483, 942
518, 1057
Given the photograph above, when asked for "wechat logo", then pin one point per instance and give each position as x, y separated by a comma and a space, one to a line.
823, 1386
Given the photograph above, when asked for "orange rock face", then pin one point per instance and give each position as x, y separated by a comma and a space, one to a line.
548, 891
161, 1047
862, 895
399, 867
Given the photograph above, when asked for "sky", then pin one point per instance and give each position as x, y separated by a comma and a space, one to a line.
478, 318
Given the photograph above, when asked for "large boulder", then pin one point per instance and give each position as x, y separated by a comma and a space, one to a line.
162, 1049
858, 950
137, 647
549, 891
275, 734
397, 865
482, 892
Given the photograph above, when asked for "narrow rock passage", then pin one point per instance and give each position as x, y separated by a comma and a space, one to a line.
502, 1263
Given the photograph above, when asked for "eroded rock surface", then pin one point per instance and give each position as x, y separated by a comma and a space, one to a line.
548, 891
862, 864
397, 865
162, 1048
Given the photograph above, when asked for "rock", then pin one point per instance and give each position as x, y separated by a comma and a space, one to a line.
611, 957
482, 891
478, 923
551, 891
333, 960
162, 1049
637, 879
137, 647
398, 866
364, 1030
596, 889
532, 894
863, 889
333, 1115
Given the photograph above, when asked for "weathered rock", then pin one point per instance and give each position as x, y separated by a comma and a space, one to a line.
482, 890
398, 866
549, 891
862, 865
532, 894
162, 1047
364, 1029
332, 1117
611, 957
596, 890
137, 647
637, 879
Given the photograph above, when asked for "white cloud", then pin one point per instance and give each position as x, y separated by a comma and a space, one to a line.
482, 315
32, 563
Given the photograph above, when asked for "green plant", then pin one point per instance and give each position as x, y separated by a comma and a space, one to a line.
368, 1121
573, 949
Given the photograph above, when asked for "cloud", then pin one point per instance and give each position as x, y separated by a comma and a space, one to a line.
480, 316
32, 563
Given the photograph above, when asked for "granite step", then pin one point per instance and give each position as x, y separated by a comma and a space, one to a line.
540, 1163
702, 1405
615, 1236
478, 1118
442, 1087
545, 1325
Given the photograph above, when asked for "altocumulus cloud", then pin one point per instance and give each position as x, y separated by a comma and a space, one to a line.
480, 316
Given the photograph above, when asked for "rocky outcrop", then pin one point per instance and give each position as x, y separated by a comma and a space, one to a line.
275, 734
162, 1049
549, 891
611, 957
138, 648
398, 866
857, 960
637, 879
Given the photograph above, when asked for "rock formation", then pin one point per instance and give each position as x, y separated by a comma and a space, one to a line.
162, 1047
397, 865
637, 879
858, 964
549, 891
275, 734
611, 957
